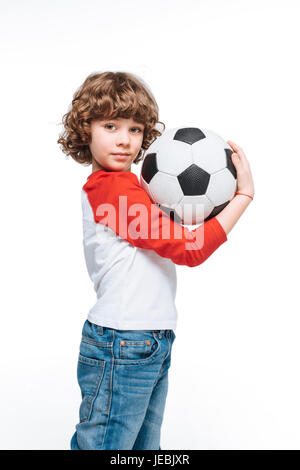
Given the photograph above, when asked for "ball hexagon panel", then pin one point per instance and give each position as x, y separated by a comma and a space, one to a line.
165, 189
173, 157
209, 154
194, 209
221, 187
193, 181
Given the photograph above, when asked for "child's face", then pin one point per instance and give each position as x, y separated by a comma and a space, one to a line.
112, 137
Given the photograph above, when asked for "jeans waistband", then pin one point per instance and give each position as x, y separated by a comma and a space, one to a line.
160, 333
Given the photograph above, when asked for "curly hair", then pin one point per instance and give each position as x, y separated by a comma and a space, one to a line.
108, 95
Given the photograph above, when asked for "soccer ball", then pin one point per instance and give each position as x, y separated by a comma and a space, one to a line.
189, 174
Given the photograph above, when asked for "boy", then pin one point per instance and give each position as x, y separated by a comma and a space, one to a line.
127, 339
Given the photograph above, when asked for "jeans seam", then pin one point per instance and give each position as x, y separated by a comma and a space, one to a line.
108, 410
111, 374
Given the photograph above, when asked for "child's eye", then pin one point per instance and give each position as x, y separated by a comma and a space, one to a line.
137, 128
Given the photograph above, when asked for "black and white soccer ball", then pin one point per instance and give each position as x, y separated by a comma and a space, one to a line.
189, 174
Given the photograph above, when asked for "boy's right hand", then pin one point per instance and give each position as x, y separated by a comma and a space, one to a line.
244, 177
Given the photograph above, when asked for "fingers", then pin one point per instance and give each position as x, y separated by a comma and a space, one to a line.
235, 147
245, 179
238, 150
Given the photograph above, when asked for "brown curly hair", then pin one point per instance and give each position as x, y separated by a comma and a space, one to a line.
108, 95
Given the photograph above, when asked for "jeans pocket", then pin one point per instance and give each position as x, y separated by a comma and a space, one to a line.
138, 350
89, 374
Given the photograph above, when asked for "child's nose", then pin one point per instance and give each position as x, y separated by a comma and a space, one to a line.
123, 137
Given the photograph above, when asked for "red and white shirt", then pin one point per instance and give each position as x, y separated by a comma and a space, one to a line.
131, 248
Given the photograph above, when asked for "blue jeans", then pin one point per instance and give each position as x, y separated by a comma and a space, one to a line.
123, 378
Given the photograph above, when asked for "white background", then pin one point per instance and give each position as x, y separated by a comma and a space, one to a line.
230, 66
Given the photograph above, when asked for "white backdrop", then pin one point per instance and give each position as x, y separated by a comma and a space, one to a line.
230, 66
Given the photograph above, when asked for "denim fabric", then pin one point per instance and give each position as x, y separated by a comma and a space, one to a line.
123, 378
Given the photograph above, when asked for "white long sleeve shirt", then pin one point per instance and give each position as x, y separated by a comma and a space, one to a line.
129, 258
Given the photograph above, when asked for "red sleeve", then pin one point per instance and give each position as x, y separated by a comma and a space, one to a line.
119, 202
